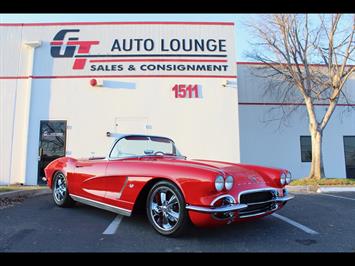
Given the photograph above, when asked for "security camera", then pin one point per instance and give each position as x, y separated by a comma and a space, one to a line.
229, 83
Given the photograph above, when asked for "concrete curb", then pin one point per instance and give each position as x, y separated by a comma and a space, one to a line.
336, 189
24, 193
321, 189
302, 188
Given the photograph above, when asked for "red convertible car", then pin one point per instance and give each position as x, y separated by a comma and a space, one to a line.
148, 172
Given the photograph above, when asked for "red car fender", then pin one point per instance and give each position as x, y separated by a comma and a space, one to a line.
193, 191
63, 164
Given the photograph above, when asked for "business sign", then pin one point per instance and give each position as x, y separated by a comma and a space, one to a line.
151, 49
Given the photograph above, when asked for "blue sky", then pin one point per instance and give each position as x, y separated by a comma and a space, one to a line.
242, 35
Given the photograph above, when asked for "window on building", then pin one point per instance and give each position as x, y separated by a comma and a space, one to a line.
349, 150
306, 149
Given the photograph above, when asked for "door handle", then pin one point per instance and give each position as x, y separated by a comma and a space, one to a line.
77, 166
40, 153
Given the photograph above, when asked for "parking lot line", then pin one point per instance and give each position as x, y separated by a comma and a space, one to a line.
336, 196
298, 225
112, 228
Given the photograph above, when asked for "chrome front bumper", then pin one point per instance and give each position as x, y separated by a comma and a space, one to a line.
284, 199
232, 207
226, 208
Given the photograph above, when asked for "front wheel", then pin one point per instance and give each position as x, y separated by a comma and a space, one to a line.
60, 191
166, 209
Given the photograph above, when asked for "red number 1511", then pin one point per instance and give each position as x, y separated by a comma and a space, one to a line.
186, 91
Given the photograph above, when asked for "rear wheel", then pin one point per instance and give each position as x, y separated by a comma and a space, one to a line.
60, 191
166, 209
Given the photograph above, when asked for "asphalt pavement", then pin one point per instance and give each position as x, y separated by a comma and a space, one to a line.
311, 222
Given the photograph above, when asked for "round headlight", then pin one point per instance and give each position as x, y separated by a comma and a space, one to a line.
229, 182
288, 178
283, 178
219, 183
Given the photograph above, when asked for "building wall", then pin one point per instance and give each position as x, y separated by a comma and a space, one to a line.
143, 102
196, 125
203, 127
12, 96
268, 143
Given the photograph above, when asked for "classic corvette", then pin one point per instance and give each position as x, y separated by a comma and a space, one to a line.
148, 172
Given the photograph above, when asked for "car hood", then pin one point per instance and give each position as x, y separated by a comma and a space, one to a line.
235, 170
240, 172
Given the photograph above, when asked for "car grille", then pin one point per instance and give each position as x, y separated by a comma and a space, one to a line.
258, 202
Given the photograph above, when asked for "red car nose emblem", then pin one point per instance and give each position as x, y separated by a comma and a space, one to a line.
253, 179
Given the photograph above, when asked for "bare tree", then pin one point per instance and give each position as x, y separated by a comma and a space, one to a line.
289, 45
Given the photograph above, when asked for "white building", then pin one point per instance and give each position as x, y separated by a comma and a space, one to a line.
163, 78
64, 85
267, 143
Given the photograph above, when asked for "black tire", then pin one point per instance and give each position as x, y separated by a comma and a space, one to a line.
60, 191
163, 218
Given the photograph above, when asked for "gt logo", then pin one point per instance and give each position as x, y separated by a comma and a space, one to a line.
70, 48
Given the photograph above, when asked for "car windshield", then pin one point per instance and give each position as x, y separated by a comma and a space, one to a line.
144, 146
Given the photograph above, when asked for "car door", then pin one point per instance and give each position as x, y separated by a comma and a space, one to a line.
116, 179
119, 169
90, 179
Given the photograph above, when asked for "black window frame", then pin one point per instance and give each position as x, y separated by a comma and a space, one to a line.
306, 158
348, 173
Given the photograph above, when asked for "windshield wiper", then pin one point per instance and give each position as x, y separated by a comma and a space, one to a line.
161, 155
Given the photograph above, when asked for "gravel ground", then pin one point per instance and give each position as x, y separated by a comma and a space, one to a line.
9, 202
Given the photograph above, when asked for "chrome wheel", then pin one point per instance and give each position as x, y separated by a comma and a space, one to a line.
164, 208
60, 187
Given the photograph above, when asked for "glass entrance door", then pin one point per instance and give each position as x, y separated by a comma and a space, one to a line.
52, 140
349, 150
